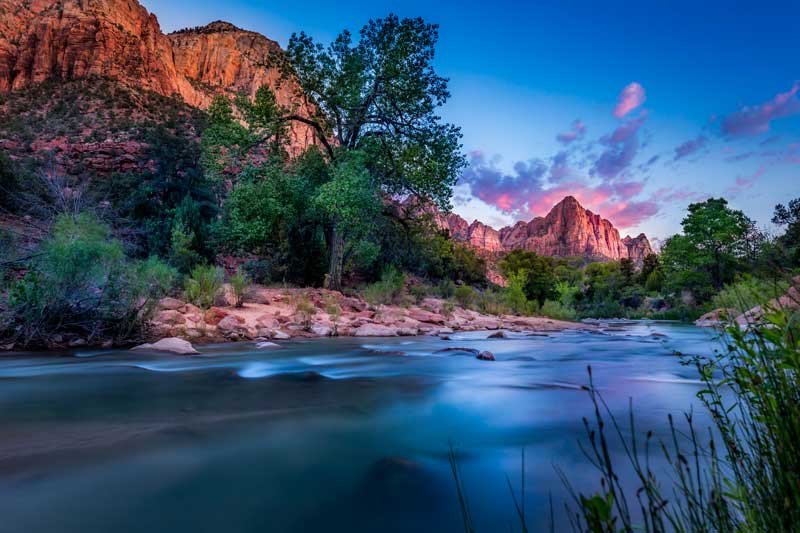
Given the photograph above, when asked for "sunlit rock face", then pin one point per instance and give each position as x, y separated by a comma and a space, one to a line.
568, 230
52, 40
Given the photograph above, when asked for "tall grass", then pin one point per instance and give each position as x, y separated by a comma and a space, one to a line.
742, 474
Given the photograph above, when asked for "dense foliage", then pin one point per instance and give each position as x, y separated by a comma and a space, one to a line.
81, 287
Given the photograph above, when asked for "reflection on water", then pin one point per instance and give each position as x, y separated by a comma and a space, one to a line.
334, 435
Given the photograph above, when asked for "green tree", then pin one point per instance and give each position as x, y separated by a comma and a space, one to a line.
350, 202
378, 96
271, 213
790, 218
717, 237
538, 270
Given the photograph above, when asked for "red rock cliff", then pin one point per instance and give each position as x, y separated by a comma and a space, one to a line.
43, 40
568, 230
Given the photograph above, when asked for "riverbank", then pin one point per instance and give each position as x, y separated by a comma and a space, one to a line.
282, 314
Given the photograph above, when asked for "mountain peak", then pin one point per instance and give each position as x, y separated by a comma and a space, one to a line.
218, 26
568, 230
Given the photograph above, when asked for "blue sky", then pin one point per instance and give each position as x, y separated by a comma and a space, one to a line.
712, 105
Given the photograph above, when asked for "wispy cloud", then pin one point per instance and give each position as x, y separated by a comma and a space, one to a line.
631, 97
755, 120
690, 147
576, 132
621, 148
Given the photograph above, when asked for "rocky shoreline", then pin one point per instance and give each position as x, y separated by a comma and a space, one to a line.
283, 314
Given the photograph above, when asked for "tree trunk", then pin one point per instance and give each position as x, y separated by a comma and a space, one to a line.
334, 281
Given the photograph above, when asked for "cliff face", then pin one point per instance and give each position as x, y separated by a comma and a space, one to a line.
63, 40
568, 230
223, 59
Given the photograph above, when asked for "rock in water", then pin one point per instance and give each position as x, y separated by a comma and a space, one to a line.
267, 345
498, 335
169, 345
486, 356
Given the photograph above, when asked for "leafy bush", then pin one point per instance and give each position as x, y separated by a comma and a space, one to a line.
557, 310
203, 285
304, 308
492, 302
82, 286
466, 296
239, 285
389, 290
748, 292
515, 298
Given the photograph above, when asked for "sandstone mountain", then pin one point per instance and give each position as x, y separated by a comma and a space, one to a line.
68, 40
568, 230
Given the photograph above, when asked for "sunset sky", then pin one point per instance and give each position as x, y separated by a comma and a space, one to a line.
635, 109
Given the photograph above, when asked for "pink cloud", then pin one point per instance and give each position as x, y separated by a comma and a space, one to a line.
621, 148
631, 97
527, 192
755, 120
690, 147
744, 183
576, 131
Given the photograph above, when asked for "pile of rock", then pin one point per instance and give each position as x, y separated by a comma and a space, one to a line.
270, 314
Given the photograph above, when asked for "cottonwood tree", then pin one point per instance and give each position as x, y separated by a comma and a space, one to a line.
378, 96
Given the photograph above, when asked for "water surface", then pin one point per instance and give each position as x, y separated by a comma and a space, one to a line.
345, 435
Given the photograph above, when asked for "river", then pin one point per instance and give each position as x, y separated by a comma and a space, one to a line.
338, 435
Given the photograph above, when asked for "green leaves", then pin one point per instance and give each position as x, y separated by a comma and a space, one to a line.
379, 96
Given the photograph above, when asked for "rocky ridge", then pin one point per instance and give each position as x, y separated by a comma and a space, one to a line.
568, 230
63, 40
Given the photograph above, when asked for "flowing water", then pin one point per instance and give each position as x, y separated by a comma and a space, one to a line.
341, 435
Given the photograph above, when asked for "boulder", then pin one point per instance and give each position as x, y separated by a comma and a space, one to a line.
498, 335
375, 330
228, 324
485, 356
321, 330
421, 315
715, 318
170, 304
170, 317
214, 315
169, 345
281, 336
267, 346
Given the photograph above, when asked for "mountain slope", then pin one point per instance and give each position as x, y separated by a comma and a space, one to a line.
568, 230
67, 40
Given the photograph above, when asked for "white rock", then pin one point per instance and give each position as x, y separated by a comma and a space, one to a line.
321, 331
281, 336
267, 345
375, 330
170, 345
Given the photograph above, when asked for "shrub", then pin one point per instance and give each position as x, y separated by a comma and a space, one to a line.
446, 288
203, 285
558, 311
492, 302
466, 296
81, 285
418, 293
515, 298
333, 309
748, 292
239, 285
389, 290
304, 308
